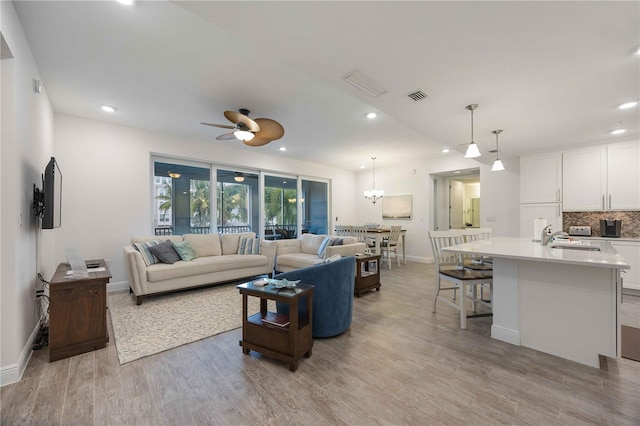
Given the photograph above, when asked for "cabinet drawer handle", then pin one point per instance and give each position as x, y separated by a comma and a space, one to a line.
610, 202
603, 202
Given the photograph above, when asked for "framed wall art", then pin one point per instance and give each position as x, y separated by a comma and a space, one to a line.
397, 206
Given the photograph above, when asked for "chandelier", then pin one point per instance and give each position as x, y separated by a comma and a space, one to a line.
374, 194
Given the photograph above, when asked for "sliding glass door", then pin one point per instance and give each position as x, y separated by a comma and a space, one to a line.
237, 202
315, 207
280, 207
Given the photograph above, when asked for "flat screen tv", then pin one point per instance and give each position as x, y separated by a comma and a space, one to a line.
52, 195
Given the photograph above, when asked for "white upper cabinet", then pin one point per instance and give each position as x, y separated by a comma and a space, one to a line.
540, 178
584, 179
623, 176
602, 178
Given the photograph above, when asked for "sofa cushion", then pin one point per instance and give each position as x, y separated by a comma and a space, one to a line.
165, 252
296, 260
249, 245
205, 265
143, 248
309, 243
204, 244
323, 246
185, 251
230, 242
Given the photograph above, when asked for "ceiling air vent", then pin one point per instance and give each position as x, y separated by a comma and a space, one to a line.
418, 95
364, 83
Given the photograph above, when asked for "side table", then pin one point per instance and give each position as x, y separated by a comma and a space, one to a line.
78, 311
367, 273
287, 342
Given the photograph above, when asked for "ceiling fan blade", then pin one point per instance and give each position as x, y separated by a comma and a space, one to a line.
223, 126
236, 117
269, 129
226, 137
256, 141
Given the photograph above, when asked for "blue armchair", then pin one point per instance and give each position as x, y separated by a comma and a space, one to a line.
332, 296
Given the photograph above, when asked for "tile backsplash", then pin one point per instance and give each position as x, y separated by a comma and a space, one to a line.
630, 221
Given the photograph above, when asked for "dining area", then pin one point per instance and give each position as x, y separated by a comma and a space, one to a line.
387, 242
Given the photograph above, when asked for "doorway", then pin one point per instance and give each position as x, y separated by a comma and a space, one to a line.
456, 199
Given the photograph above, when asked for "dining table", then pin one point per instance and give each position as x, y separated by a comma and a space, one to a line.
378, 234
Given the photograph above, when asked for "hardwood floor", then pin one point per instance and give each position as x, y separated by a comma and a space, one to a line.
398, 364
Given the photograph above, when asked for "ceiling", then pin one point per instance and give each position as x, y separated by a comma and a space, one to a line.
550, 74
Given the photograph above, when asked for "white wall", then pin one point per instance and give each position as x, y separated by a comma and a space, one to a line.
499, 198
107, 182
27, 144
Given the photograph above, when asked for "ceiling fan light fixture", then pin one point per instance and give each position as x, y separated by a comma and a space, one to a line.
472, 149
244, 135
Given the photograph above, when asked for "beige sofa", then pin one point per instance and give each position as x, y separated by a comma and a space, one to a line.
216, 262
303, 252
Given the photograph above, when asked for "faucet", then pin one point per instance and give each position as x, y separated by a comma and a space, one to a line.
546, 237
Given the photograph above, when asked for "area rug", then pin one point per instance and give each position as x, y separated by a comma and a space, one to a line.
167, 321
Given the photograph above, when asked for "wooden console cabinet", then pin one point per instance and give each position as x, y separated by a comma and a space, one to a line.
77, 312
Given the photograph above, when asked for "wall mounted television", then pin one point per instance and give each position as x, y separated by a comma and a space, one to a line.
47, 203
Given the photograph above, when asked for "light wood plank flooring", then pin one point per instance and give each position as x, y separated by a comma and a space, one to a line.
399, 364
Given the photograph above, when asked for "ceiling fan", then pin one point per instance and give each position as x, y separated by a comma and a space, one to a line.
256, 132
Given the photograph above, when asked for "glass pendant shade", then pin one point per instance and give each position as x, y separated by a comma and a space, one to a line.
497, 166
243, 135
472, 151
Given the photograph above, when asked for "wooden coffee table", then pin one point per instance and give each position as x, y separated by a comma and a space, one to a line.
286, 343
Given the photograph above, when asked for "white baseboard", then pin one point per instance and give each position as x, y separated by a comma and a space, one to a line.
505, 334
119, 286
13, 373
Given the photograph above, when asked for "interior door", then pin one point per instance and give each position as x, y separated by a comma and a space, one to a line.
456, 204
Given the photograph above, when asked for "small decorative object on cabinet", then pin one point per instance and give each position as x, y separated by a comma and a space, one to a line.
367, 274
272, 334
78, 311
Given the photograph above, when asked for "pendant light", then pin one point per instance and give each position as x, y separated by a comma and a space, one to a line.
472, 149
374, 194
497, 165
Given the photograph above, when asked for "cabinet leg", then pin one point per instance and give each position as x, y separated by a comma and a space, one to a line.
293, 367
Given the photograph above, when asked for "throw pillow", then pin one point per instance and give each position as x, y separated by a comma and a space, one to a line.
165, 252
323, 246
143, 249
249, 245
337, 242
184, 250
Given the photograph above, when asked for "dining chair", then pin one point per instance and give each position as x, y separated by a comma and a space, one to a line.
450, 268
360, 232
390, 245
474, 262
343, 230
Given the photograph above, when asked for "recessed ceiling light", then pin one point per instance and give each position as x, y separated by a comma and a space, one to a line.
371, 115
628, 105
282, 148
618, 131
125, 2
445, 150
362, 166
638, 51
457, 172
107, 108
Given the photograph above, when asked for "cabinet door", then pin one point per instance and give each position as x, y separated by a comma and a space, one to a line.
584, 179
552, 212
631, 252
623, 173
540, 178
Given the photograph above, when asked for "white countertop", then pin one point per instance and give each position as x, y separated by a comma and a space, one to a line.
525, 249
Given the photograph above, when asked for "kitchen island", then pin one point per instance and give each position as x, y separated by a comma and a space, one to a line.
559, 301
